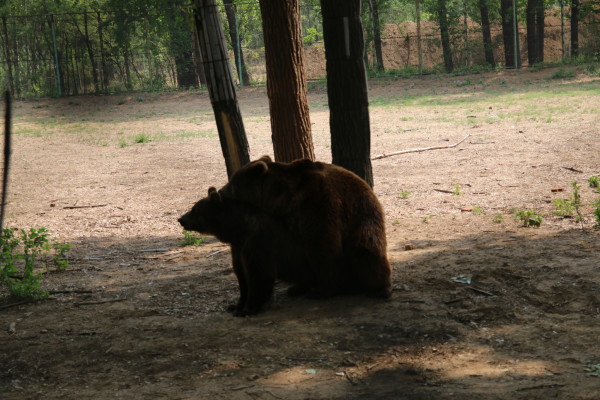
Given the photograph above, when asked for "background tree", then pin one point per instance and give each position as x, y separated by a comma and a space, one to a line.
221, 86
575, 6
286, 80
442, 18
347, 87
509, 33
234, 36
535, 31
486, 32
374, 8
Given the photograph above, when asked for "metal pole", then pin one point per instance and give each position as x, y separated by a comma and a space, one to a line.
516, 34
58, 85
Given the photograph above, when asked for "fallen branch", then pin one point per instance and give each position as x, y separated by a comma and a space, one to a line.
91, 206
89, 303
395, 153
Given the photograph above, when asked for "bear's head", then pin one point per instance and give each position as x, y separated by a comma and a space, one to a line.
246, 183
215, 215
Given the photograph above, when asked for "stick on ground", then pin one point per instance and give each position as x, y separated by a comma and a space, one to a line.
395, 153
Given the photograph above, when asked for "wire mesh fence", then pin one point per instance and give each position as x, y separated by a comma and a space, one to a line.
155, 49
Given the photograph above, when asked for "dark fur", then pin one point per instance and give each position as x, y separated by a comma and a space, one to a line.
333, 214
261, 249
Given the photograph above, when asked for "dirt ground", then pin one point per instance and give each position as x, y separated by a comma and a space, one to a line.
138, 316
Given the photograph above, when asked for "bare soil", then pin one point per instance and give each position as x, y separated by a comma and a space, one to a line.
138, 316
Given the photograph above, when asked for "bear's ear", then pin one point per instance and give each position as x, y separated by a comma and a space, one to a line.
213, 195
257, 168
266, 159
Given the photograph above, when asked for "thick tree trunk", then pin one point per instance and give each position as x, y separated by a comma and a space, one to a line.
231, 13
485, 31
221, 86
535, 31
508, 33
445, 34
575, 5
181, 48
286, 80
347, 87
539, 34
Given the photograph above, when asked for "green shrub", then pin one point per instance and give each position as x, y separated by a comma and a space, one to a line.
529, 217
20, 270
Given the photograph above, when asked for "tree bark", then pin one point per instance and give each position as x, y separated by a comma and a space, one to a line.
575, 5
486, 33
231, 12
347, 87
286, 80
221, 87
445, 34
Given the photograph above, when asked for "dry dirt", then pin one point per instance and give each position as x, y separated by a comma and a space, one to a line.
137, 316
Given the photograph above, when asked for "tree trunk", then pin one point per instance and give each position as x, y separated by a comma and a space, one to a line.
445, 34
374, 7
90, 52
508, 33
575, 4
485, 31
103, 65
7, 56
231, 12
286, 80
181, 48
347, 87
221, 87
539, 34
535, 31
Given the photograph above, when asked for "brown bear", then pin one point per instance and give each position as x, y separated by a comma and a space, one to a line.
262, 250
333, 215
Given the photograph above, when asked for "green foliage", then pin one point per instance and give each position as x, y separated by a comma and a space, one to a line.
529, 217
19, 267
562, 73
192, 239
456, 191
404, 194
596, 207
594, 181
498, 219
478, 211
564, 208
142, 138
